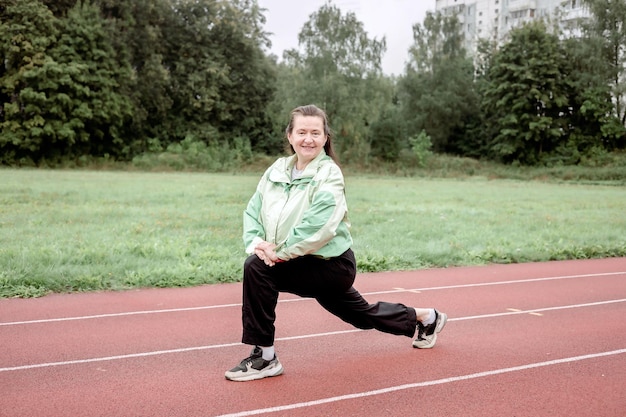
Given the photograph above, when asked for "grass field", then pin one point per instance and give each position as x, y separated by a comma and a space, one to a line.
63, 231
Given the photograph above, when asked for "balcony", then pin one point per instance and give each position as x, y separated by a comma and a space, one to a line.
515, 5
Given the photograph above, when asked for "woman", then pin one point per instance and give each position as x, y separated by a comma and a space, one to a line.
296, 232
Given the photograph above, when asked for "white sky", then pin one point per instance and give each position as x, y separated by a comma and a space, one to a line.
392, 19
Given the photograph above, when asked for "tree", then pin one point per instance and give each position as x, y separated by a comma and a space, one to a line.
64, 103
250, 81
138, 30
527, 96
593, 124
388, 136
609, 23
219, 80
91, 112
437, 92
27, 31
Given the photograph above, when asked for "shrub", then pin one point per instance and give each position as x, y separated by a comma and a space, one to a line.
421, 145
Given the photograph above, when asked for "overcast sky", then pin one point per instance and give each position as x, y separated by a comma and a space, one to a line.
392, 19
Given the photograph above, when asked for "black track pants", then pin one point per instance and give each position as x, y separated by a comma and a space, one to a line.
329, 281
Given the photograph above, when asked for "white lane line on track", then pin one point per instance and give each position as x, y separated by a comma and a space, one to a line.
537, 310
128, 313
423, 384
307, 336
396, 290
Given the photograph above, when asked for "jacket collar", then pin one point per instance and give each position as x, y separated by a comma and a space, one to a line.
282, 169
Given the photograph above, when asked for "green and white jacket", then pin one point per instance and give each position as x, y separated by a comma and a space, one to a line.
303, 216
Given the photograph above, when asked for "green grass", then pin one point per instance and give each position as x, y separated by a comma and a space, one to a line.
65, 231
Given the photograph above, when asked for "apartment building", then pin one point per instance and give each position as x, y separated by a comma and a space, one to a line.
493, 19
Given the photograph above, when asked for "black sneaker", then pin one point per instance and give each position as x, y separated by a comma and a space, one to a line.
427, 335
255, 367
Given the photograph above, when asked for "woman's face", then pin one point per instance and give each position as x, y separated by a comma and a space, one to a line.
307, 138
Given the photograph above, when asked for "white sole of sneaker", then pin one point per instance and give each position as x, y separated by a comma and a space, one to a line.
428, 346
266, 373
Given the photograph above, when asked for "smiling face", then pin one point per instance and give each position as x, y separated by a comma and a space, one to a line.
307, 138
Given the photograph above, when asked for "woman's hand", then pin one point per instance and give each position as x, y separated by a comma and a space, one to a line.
266, 252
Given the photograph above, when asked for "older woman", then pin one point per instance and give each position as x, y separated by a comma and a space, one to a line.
297, 233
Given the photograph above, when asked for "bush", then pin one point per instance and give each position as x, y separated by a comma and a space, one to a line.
195, 155
421, 145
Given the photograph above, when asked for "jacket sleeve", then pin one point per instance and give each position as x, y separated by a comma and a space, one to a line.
253, 230
321, 220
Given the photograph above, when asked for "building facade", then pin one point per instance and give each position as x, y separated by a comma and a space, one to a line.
493, 19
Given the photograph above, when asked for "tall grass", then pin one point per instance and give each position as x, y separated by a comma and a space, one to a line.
64, 231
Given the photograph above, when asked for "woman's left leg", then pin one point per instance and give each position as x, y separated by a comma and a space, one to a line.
330, 283
351, 307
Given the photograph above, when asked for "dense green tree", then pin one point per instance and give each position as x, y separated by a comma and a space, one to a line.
527, 96
201, 72
592, 122
609, 23
94, 110
27, 31
388, 135
119, 77
65, 104
248, 85
437, 92
138, 29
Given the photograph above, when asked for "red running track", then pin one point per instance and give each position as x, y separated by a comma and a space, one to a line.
541, 339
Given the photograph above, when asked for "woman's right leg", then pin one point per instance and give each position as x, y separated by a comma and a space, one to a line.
306, 276
260, 295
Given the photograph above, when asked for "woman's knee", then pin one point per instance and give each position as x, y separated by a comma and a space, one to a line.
255, 269
250, 262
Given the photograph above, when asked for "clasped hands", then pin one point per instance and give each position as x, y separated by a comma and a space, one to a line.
266, 252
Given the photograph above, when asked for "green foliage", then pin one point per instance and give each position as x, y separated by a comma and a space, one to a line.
609, 24
437, 92
527, 97
193, 154
168, 82
421, 146
27, 30
547, 101
60, 7
387, 136
592, 122
108, 77
89, 96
